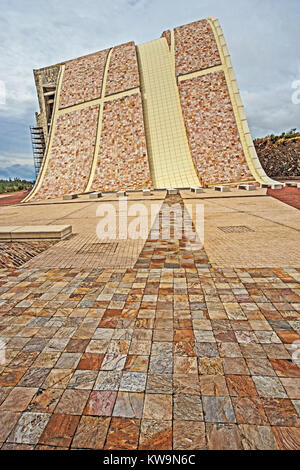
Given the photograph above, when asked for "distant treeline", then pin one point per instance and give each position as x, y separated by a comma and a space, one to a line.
292, 134
10, 186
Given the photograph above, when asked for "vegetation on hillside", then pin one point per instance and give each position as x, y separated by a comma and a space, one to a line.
10, 186
292, 134
280, 154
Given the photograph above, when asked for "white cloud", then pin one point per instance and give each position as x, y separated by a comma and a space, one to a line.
263, 37
15, 159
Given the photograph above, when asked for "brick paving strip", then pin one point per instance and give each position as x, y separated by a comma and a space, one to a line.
290, 196
12, 198
170, 353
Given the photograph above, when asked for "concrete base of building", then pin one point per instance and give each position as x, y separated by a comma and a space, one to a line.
69, 197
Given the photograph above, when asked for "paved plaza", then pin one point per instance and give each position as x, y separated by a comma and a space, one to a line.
149, 344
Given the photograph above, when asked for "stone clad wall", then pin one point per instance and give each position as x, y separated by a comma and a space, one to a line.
123, 73
212, 131
195, 48
167, 35
82, 79
122, 161
71, 155
44, 77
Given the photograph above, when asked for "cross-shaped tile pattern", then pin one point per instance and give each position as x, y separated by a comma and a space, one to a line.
171, 353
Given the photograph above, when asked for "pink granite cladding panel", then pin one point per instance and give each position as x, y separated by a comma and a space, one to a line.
212, 130
82, 79
167, 35
123, 73
123, 161
195, 48
72, 153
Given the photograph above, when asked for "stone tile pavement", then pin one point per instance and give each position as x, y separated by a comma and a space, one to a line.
171, 353
271, 230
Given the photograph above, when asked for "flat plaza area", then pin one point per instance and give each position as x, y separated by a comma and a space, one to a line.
152, 343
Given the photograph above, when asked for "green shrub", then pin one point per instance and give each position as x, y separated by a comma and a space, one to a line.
10, 186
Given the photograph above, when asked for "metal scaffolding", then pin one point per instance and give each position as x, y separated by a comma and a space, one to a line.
38, 147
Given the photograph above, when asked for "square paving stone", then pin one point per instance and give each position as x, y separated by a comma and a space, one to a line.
267, 337
160, 383
72, 402
240, 385
140, 348
100, 403
204, 336
56, 345
8, 420
235, 366
253, 350
46, 359
188, 435
285, 368
287, 438
257, 437
210, 366
292, 386
249, 410
108, 380
113, 361
155, 435
280, 412
83, 379
218, 410
90, 361
45, 401
36, 344
261, 366
158, 406
77, 345
22, 359
68, 361
229, 350
133, 382
185, 365
161, 348
10, 377
18, 399
161, 364
136, 363
129, 405
186, 383
34, 377
269, 387
58, 378
91, 433
223, 437
213, 385
60, 430
123, 434
247, 337
276, 351
206, 349
97, 346
29, 428
187, 407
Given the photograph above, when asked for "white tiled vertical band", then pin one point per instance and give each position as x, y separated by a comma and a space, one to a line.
171, 163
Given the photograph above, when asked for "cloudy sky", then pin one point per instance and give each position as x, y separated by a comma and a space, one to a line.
263, 37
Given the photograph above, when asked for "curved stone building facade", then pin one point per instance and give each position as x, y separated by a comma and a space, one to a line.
167, 113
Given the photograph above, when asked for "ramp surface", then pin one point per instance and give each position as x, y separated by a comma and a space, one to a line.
168, 150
